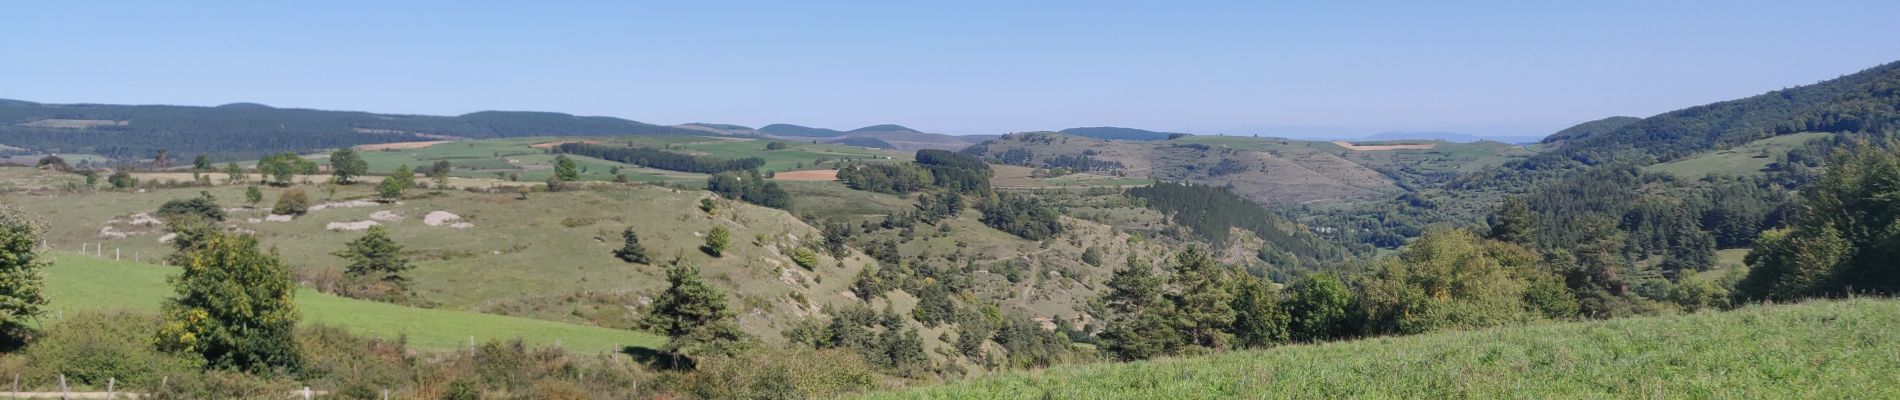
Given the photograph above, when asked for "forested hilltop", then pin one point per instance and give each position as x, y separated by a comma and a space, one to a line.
248, 131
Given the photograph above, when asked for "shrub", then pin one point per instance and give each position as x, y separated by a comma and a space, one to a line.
781, 374
805, 258
202, 207
91, 347
292, 201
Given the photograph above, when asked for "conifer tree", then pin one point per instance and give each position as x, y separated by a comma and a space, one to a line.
21, 298
631, 250
717, 240
693, 316
1203, 303
1139, 326
376, 256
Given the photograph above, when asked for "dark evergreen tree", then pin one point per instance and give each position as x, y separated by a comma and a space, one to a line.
693, 316
630, 248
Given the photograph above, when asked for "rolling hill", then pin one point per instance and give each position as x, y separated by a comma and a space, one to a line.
886, 136
247, 130
1116, 133
1865, 101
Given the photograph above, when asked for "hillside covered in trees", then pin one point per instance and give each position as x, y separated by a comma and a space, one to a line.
246, 130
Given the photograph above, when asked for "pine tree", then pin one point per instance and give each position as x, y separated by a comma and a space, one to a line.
717, 240
1138, 327
376, 256
631, 251
693, 316
233, 305
565, 169
1514, 222
1203, 302
346, 165
21, 298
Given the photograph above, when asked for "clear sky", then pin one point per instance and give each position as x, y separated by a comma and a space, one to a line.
964, 67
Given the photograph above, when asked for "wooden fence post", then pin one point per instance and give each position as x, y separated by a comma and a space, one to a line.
111, 387
62, 386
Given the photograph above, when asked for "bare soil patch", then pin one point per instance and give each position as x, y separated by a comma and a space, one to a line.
813, 175
400, 145
1354, 147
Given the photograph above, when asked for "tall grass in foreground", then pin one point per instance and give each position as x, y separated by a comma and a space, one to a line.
1824, 349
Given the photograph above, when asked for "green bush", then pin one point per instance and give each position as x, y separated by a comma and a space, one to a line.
91, 347
292, 201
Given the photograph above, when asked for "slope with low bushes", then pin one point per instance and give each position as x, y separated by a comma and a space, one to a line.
1822, 349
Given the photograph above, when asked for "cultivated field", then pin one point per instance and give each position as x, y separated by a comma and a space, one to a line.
1823, 349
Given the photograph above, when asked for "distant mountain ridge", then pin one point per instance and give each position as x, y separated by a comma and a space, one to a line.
884, 136
1117, 133
249, 130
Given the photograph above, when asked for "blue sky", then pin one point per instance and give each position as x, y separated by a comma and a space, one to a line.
1504, 68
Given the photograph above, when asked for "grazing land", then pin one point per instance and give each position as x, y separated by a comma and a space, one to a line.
79, 283
1748, 159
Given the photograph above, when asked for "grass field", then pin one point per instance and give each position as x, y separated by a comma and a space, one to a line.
1747, 159
84, 283
501, 158
1825, 349
547, 257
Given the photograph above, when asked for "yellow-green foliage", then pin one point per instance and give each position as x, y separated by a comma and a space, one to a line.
1828, 349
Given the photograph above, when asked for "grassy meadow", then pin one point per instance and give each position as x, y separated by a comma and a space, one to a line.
77, 283
502, 158
1748, 159
546, 257
1844, 349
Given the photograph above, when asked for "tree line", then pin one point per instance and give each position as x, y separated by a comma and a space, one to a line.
661, 159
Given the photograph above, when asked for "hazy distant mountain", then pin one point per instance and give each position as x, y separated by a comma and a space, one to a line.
1117, 133
248, 130
799, 131
1453, 137
885, 136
